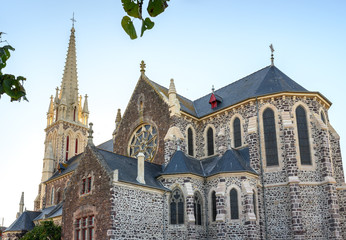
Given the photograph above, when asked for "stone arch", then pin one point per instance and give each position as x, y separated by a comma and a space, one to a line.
177, 206
231, 127
228, 201
210, 204
205, 135
308, 116
279, 145
189, 126
202, 216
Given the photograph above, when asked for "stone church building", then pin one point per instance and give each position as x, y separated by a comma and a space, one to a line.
256, 159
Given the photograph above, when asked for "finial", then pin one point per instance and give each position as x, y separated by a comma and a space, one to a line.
272, 56
212, 89
90, 131
73, 20
142, 66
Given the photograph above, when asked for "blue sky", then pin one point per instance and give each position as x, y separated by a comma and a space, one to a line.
199, 43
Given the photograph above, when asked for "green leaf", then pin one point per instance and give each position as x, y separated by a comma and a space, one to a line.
155, 7
132, 8
128, 27
146, 24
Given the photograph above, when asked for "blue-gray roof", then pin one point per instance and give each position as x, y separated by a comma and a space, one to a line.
268, 80
233, 160
50, 212
127, 167
24, 222
108, 145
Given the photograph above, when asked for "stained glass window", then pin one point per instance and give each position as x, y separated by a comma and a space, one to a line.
236, 132
190, 141
303, 136
270, 137
213, 205
234, 204
144, 139
210, 141
177, 207
197, 207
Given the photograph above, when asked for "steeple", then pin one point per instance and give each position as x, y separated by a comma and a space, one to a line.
21, 205
69, 84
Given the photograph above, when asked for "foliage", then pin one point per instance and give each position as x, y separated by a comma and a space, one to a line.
45, 230
134, 8
9, 84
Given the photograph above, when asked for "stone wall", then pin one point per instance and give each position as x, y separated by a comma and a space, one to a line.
154, 111
96, 202
137, 213
59, 186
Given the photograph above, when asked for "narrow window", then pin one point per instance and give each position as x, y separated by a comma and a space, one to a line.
76, 146
67, 145
197, 209
58, 197
303, 136
270, 138
254, 203
52, 196
56, 114
74, 114
190, 141
84, 228
177, 207
213, 205
83, 186
210, 141
234, 204
91, 228
77, 226
89, 184
323, 118
236, 132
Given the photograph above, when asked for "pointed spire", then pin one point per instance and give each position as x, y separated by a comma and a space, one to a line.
174, 104
56, 99
172, 87
51, 107
85, 107
69, 84
118, 118
21, 205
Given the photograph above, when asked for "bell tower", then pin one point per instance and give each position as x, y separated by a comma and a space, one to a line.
67, 121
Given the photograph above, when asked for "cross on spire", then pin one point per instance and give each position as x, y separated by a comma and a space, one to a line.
272, 56
142, 66
73, 20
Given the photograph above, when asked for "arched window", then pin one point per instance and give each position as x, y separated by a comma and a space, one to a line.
67, 146
197, 208
303, 136
76, 147
177, 207
56, 114
210, 141
74, 113
190, 141
236, 132
234, 204
270, 138
213, 206
254, 202
58, 196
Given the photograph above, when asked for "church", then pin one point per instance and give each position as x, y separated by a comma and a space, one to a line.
256, 159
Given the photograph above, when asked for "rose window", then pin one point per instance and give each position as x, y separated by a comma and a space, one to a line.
144, 139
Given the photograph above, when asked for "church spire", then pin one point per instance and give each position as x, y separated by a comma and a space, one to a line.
69, 84
21, 205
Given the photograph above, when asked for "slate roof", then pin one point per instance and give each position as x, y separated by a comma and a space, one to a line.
127, 167
24, 222
108, 145
268, 80
50, 212
233, 160
72, 164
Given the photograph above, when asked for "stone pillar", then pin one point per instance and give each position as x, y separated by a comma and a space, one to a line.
250, 223
333, 209
220, 209
296, 208
191, 229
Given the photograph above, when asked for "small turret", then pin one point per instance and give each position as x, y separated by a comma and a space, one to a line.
85, 111
174, 105
48, 163
50, 113
21, 205
117, 119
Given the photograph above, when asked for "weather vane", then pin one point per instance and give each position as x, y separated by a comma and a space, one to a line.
272, 56
73, 20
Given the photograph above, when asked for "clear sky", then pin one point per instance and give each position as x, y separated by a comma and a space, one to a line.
199, 43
